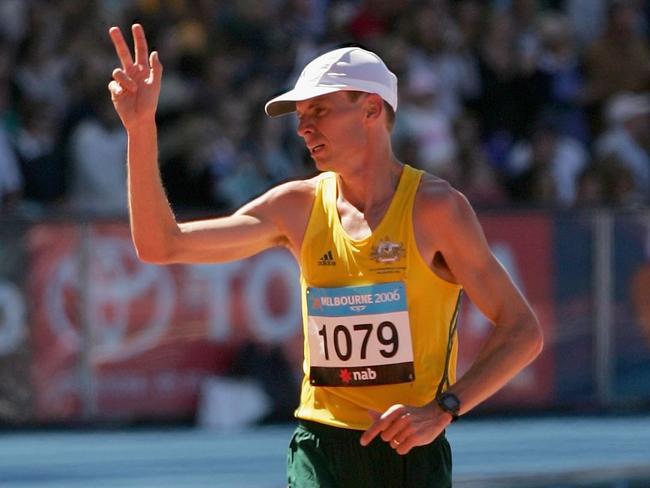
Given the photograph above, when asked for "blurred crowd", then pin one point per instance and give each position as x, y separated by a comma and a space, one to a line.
515, 102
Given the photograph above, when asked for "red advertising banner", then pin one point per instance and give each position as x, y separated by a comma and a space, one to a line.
154, 332
523, 243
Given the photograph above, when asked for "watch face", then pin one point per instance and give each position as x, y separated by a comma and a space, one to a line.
450, 402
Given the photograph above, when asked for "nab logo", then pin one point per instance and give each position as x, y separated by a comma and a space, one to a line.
368, 374
365, 375
327, 259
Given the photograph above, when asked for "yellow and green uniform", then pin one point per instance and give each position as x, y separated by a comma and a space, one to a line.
390, 333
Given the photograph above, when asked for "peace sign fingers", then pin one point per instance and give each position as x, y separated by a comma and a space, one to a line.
135, 87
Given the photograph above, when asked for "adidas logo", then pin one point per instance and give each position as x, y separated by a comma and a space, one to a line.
327, 259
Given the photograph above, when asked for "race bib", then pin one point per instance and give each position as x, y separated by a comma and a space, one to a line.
359, 335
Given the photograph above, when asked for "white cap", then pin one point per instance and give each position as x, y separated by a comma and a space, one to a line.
624, 106
349, 69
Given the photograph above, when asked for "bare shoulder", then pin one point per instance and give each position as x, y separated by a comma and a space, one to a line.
437, 201
291, 194
288, 205
294, 192
447, 231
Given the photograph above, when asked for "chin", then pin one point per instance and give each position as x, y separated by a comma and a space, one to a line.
322, 164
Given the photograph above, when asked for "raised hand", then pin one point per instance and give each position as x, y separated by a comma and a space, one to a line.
135, 87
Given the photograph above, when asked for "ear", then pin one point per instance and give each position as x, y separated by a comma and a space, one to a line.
374, 106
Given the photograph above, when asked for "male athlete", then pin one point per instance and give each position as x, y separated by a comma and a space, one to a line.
384, 251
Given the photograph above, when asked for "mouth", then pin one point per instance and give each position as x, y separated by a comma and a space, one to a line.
315, 149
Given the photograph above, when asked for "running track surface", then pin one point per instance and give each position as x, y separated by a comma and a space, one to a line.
528, 452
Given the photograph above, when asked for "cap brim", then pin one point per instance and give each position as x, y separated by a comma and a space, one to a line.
286, 103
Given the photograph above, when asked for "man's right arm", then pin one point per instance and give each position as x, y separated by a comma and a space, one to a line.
157, 236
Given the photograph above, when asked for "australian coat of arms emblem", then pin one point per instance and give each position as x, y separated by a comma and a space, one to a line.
387, 251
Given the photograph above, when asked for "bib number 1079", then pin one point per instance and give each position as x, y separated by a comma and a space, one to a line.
340, 339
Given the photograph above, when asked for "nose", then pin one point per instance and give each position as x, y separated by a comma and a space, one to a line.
305, 127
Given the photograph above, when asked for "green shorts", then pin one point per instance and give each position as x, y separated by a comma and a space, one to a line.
321, 456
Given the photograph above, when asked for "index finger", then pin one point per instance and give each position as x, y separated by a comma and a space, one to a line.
122, 50
381, 423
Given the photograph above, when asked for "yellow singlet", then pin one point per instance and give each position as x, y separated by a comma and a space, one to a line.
379, 325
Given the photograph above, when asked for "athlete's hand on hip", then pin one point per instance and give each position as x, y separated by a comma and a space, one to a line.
136, 85
406, 427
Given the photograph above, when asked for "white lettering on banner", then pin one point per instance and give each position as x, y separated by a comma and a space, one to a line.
274, 328
117, 279
258, 273
12, 318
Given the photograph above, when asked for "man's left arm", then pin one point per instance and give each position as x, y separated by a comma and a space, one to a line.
515, 340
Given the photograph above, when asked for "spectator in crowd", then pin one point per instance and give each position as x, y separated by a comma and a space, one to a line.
13, 20
187, 161
469, 16
627, 138
590, 188
559, 66
424, 123
619, 184
307, 18
42, 168
524, 15
375, 18
507, 100
545, 168
437, 54
606, 182
97, 152
619, 60
40, 74
472, 174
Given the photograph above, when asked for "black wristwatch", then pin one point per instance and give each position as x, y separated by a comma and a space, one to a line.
450, 404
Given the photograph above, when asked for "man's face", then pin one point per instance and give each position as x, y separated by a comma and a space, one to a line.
332, 127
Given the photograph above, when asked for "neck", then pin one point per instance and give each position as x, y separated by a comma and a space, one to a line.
372, 182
